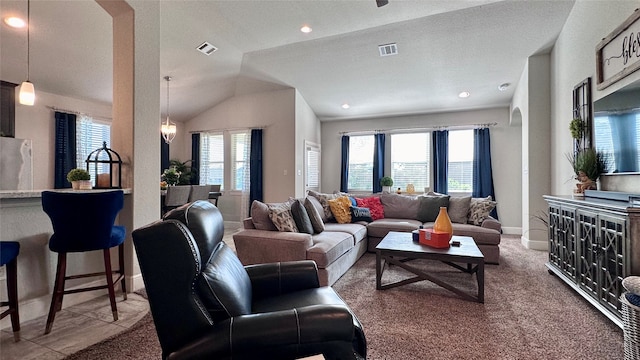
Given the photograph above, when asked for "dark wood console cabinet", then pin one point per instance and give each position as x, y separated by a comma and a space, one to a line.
593, 245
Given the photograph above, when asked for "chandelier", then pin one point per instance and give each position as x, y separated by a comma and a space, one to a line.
168, 128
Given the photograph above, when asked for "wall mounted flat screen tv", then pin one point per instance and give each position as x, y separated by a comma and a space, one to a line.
616, 129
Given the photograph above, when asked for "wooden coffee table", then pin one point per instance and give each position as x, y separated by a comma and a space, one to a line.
398, 247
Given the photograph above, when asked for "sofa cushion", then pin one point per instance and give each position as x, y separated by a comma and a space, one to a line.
430, 207
324, 201
328, 246
480, 209
380, 228
301, 218
400, 206
358, 231
374, 205
480, 235
281, 217
314, 215
360, 214
459, 209
340, 209
260, 216
221, 297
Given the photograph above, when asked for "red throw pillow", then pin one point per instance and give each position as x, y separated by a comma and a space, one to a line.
374, 205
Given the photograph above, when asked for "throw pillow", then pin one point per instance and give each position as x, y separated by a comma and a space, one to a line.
324, 201
340, 209
480, 209
430, 207
374, 205
314, 215
221, 298
360, 214
260, 216
301, 218
281, 217
459, 209
400, 206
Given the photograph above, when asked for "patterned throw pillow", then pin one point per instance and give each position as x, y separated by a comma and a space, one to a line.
314, 215
340, 209
360, 214
281, 217
480, 209
374, 205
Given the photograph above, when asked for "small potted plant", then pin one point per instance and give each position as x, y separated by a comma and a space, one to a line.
171, 176
387, 183
588, 164
80, 179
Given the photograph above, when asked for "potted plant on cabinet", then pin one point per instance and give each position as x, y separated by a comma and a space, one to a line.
588, 164
80, 179
387, 183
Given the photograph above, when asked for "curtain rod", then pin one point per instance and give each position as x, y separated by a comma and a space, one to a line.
227, 129
401, 130
78, 113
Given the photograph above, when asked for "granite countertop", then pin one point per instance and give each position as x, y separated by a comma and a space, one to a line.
27, 194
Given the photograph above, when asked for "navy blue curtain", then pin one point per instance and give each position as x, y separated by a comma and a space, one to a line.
440, 161
195, 159
482, 174
65, 149
344, 166
255, 166
378, 162
164, 155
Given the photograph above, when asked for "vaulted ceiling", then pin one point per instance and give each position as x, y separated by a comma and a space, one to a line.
444, 48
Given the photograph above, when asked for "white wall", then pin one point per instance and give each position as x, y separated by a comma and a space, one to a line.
307, 129
274, 111
37, 123
505, 143
572, 61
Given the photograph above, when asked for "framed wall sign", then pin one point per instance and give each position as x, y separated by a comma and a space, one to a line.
618, 54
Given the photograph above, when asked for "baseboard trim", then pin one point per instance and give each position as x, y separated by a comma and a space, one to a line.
511, 230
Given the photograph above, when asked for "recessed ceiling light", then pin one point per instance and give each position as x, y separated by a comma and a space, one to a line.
306, 29
15, 22
464, 94
345, 106
503, 87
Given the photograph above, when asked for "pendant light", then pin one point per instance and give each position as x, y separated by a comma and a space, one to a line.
168, 128
27, 92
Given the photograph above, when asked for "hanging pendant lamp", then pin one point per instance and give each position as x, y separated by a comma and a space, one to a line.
27, 94
168, 128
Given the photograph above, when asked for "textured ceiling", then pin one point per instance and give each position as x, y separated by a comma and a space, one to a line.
444, 47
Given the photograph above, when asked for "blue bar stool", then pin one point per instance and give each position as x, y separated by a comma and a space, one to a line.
9, 251
84, 221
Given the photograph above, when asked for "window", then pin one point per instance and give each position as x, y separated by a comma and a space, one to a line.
312, 155
460, 167
410, 160
240, 148
212, 159
361, 163
90, 136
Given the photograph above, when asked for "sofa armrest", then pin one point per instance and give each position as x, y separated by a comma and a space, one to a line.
264, 246
247, 223
491, 223
279, 278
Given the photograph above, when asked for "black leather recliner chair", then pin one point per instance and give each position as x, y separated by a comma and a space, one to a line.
205, 304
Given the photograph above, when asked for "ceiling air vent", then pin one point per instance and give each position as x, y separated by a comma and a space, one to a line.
206, 48
388, 49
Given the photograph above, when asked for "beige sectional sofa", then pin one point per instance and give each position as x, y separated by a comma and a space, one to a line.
337, 246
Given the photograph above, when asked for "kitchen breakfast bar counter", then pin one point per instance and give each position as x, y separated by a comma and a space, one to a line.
23, 220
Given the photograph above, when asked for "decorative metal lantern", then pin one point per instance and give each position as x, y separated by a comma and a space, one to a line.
106, 167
